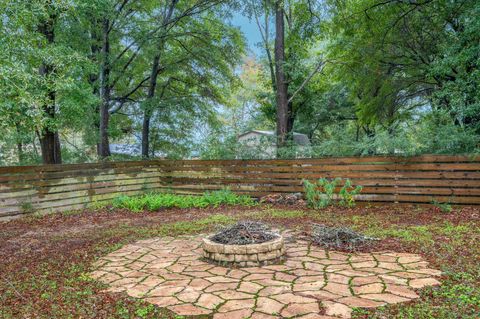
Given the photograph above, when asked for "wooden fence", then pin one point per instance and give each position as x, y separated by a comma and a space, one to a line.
422, 179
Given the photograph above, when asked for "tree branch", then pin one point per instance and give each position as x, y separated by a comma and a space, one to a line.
319, 68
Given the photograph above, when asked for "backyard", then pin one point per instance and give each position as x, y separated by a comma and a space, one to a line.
46, 262
224, 159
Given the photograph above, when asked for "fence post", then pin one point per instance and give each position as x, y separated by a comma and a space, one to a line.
395, 195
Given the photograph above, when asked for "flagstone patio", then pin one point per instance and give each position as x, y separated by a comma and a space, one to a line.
311, 283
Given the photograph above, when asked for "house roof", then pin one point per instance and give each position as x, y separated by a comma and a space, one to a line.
125, 149
298, 138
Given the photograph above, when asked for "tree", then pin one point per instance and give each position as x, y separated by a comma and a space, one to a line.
296, 28
284, 123
116, 22
397, 57
49, 140
199, 39
359, 77
41, 73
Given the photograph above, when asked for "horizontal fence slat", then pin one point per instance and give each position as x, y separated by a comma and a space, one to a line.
87, 177
159, 163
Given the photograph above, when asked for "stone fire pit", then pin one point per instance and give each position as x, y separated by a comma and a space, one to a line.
244, 255
245, 244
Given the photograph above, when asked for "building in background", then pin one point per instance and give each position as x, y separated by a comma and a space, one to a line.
262, 144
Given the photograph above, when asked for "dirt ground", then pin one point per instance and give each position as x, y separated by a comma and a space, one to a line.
44, 261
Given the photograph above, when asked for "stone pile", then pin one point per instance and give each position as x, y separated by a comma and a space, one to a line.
283, 199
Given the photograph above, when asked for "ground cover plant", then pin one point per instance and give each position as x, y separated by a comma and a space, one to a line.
155, 201
44, 261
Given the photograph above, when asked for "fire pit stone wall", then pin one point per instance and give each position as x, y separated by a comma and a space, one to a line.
244, 255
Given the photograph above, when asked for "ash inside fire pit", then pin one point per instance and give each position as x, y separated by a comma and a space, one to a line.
244, 233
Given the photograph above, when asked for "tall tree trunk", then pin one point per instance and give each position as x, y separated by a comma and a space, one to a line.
19, 144
290, 120
34, 143
283, 126
95, 50
49, 141
104, 145
147, 115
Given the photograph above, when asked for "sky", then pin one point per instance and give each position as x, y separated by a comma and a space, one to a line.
250, 30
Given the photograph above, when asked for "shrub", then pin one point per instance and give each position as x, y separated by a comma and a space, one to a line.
322, 193
444, 207
347, 193
155, 201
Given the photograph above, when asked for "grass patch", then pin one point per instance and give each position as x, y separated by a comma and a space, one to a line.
457, 297
276, 213
417, 234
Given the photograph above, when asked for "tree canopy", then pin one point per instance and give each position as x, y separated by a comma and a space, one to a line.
175, 78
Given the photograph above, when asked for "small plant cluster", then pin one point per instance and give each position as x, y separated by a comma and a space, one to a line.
444, 207
155, 201
322, 193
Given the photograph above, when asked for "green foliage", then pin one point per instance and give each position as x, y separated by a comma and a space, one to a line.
444, 207
431, 133
144, 311
319, 194
156, 201
463, 295
27, 207
399, 77
199, 53
322, 193
386, 75
348, 192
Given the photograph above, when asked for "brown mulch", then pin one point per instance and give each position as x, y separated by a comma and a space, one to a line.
35, 233
30, 238
387, 214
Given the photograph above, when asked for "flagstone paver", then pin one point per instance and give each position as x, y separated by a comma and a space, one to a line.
311, 283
